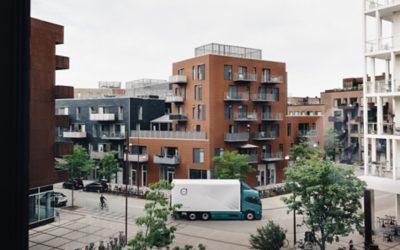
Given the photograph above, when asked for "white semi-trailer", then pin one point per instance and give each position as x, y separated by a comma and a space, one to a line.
216, 199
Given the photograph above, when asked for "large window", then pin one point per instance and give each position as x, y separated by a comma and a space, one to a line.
181, 72
197, 92
289, 129
78, 113
41, 205
198, 155
228, 112
201, 70
120, 113
194, 73
266, 75
218, 151
201, 112
197, 174
140, 113
227, 72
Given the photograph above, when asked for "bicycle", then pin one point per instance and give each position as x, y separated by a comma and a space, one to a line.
285, 243
306, 245
103, 205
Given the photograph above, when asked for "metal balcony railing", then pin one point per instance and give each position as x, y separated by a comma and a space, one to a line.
243, 116
272, 116
273, 156
382, 44
265, 135
380, 169
236, 137
244, 77
174, 98
252, 158
102, 117
110, 135
178, 117
166, 159
137, 157
382, 87
305, 133
271, 79
264, 97
74, 134
240, 96
178, 79
168, 134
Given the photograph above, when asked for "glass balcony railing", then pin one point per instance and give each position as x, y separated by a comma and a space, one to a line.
244, 77
236, 96
265, 135
382, 87
244, 116
271, 79
374, 4
236, 137
273, 156
272, 116
264, 97
382, 44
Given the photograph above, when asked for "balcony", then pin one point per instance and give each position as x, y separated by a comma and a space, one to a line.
109, 135
382, 87
178, 79
265, 135
74, 134
387, 128
63, 148
347, 106
271, 79
243, 96
244, 117
236, 137
168, 134
137, 157
63, 92
378, 4
380, 169
244, 78
272, 116
178, 117
62, 62
96, 155
335, 119
102, 117
305, 133
268, 157
173, 98
264, 97
62, 121
166, 160
252, 158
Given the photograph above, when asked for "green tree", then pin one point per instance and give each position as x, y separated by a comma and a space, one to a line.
232, 165
304, 150
331, 142
109, 165
328, 197
156, 233
269, 237
78, 165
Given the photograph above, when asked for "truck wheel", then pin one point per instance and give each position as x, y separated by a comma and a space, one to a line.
249, 216
205, 216
192, 216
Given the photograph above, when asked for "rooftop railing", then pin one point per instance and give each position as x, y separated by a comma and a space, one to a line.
169, 134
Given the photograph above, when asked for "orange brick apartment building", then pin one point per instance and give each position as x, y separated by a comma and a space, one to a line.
225, 98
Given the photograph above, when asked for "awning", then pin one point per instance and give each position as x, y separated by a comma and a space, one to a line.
248, 146
162, 119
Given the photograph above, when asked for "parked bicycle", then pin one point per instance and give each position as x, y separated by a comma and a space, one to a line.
309, 242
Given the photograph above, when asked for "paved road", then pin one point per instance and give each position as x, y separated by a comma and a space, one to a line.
215, 234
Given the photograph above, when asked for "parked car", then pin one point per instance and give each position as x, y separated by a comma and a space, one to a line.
98, 186
77, 184
56, 199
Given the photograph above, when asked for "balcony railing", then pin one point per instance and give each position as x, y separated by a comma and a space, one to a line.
102, 117
244, 77
243, 116
109, 135
374, 4
236, 137
242, 96
272, 116
178, 79
174, 98
96, 155
74, 134
137, 157
387, 128
304, 133
380, 169
168, 134
335, 119
382, 87
264, 97
271, 79
382, 44
265, 135
166, 160
178, 117
252, 158
273, 156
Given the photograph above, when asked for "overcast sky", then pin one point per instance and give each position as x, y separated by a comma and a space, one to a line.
319, 40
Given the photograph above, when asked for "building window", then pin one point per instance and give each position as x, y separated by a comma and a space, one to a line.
201, 112
198, 128
242, 72
337, 113
120, 113
40, 205
313, 126
218, 151
94, 130
275, 128
281, 150
228, 112
227, 72
254, 73
133, 177
275, 94
198, 155
289, 129
266, 75
197, 92
194, 73
201, 72
144, 175
336, 102
197, 174
181, 72
78, 113
62, 111
140, 113
193, 112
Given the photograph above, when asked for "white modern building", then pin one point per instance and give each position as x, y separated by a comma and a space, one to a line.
381, 102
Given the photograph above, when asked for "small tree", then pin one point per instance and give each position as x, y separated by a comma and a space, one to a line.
328, 196
108, 165
331, 142
156, 233
269, 237
78, 165
232, 165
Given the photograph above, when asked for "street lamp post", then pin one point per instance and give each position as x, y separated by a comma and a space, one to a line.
126, 185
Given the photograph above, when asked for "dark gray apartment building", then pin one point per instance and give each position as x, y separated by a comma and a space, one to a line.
102, 124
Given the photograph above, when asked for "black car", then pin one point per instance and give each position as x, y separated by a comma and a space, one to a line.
96, 187
77, 184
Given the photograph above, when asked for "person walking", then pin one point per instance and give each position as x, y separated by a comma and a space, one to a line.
102, 201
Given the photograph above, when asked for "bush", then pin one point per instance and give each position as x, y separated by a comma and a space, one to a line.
269, 237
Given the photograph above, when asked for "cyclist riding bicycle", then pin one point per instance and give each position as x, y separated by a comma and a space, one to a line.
102, 201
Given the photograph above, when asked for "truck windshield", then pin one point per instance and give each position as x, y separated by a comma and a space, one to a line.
254, 200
